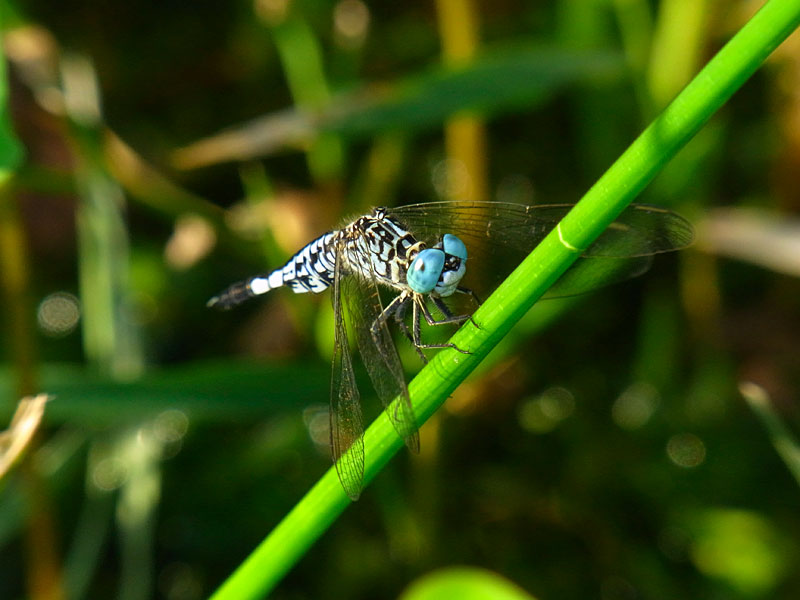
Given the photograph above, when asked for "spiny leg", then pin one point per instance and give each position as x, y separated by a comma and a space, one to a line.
419, 305
449, 317
399, 316
470, 293
475, 299
396, 307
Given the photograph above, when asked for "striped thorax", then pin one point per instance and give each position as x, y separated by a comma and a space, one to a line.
376, 245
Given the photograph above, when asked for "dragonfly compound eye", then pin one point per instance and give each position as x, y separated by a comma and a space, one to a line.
425, 270
454, 246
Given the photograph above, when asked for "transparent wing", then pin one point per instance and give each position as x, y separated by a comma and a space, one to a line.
379, 354
499, 235
347, 427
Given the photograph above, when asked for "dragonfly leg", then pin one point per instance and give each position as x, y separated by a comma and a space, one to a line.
399, 316
470, 293
397, 309
394, 306
419, 306
449, 317
474, 296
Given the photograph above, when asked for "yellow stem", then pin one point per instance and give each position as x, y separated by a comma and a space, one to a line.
465, 133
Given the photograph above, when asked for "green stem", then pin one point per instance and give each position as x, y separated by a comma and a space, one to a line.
602, 203
301, 57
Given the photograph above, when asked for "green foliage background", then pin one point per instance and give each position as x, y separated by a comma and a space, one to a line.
605, 449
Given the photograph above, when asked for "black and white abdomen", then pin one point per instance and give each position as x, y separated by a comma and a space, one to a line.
310, 270
373, 245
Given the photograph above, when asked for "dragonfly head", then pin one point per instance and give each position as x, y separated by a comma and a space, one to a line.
438, 269
425, 270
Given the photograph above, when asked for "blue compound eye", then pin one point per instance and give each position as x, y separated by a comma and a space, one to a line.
454, 246
425, 270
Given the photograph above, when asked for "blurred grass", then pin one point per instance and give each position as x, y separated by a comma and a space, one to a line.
464, 132
43, 570
206, 392
11, 153
782, 438
301, 58
466, 583
110, 337
603, 450
500, 80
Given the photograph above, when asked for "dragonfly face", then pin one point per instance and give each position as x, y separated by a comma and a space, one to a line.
455, 265
439, 269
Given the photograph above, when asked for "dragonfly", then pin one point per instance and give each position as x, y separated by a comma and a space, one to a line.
418, 254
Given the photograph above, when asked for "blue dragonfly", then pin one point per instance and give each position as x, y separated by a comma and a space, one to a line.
419, 253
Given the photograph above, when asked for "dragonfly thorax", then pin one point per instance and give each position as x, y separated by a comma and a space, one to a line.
378, 246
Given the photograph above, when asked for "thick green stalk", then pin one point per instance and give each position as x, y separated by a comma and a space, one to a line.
602, 203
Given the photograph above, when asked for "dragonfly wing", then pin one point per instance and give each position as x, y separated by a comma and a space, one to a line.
645, 229
379, 354
591, 273
346, 424
499, 235
642, 230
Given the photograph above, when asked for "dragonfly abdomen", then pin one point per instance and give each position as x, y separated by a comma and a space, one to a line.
310, 270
